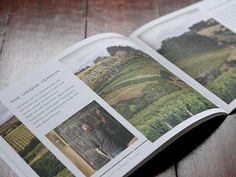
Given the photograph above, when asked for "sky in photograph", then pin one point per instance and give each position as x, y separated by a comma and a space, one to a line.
172, 27
86, 55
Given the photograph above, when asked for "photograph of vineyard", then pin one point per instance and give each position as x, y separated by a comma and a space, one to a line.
205, 49
35, 154
151, 98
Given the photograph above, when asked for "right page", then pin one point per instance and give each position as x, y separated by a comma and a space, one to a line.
100, 108
198, 43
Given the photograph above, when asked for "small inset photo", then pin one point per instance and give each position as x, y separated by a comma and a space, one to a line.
91, 138
29, 147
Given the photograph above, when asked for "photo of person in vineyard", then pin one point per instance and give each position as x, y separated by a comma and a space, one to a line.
91, 138
200, 46
146, 94
104, 142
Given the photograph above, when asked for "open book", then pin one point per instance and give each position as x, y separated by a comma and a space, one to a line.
109, 103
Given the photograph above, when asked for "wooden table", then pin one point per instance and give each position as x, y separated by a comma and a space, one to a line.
32, 31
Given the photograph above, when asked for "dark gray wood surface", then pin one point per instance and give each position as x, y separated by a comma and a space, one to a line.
33, 31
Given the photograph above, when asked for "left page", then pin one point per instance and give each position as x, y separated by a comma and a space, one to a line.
24, 152
100, 108
45, 126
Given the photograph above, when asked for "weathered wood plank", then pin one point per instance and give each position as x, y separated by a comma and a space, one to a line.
168, 6
4, 19
37, 30
119, 16
216, 156
33, 31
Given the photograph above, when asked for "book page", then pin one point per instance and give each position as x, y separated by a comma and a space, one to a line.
100, 108
6, 169
20, 146
147, 95
200, 41
53, 125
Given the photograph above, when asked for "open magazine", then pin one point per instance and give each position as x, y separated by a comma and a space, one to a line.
109, 103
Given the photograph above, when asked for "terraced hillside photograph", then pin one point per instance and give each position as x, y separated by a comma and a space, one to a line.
203, 48
147, 95
34, 153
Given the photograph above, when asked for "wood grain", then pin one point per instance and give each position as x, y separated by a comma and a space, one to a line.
214, 157
168, 6
33, 31
120, 16
4, 17
190, 158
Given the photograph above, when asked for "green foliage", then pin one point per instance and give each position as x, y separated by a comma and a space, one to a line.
133, 108
151, 93
32, 154
203, 24
169, 111
161, 103
153, 129
206, 53
65, 173
129, 50
165, 74
224, 86
34, 142
188, 43
48, 165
